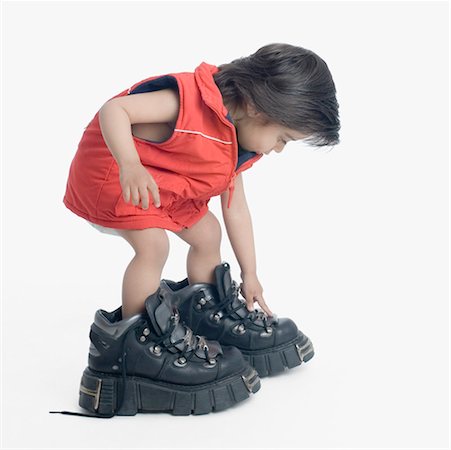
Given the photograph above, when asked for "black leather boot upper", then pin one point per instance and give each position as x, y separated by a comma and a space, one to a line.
157, 345
217, 312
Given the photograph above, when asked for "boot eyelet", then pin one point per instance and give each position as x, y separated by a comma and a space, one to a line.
146, 332
180, 362
175, 317
216, 318
204, 348
200, 303
156, 350
210, 363
239, 329
142, 338
267, 332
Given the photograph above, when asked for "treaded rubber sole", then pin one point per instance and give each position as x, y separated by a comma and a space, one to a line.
277, 359
99, 393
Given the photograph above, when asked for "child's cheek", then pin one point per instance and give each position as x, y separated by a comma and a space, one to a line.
254, 143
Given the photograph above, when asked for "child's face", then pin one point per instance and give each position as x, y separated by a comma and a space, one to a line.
258, 135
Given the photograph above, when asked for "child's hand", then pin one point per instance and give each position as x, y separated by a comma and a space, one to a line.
137, 181
252, 291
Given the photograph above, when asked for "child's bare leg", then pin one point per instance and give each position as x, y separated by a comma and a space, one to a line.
204, 254
143, 274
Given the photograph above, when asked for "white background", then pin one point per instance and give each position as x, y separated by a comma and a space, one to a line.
352, 244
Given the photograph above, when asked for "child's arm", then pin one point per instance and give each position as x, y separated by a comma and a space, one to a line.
238, 223
118, 114
116, 118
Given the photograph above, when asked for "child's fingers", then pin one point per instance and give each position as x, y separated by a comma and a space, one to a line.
126, 194
152, 186
144, 197
155, 194
135, 195
264, 306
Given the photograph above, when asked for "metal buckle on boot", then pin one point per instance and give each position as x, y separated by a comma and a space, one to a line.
247, 380
301, 350
91, 392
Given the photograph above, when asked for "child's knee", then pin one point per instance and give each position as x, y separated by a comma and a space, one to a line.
150, 242
206, 233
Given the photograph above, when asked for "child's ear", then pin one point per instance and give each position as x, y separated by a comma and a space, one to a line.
259, 117
251, 111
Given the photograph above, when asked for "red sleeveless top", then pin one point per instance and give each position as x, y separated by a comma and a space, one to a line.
197, 162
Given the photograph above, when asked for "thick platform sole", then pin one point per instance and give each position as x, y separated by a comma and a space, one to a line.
277, 359
99, 394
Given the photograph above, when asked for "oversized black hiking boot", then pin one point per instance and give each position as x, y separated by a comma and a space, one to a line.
153, 362
269, 344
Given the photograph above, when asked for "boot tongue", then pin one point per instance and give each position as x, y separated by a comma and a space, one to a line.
162, 313
225, 285
223, 279
159, 309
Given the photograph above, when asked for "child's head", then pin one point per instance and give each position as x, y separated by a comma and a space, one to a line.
281, 92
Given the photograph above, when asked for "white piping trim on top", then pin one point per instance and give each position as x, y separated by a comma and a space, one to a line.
203, 135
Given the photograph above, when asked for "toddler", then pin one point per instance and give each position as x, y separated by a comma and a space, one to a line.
149, 162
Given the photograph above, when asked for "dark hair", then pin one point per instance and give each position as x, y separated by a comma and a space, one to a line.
289, 85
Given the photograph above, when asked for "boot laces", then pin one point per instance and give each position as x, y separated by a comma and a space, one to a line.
192, 341
232, 296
